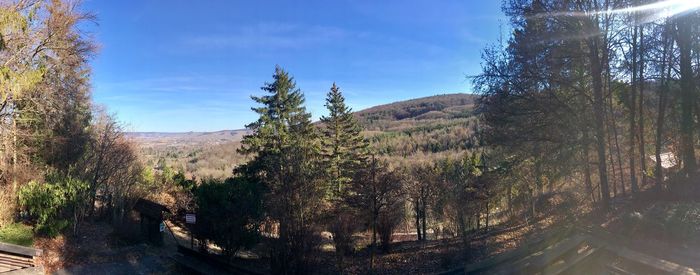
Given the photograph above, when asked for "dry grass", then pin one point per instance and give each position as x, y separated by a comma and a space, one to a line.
95, 244
7, 207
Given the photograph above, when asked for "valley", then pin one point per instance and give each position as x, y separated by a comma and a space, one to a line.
414, 130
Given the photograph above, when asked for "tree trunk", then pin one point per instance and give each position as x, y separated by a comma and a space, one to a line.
425, 224
612, 160
14, 153
618, 152
417, 210
509, 197
487, 216
470, 224
374, 241
538, 176
642, 153
587, 167
632, 101
533, 211
478, 220
661, 115
462, 226
599, 119
613, 126
687, 97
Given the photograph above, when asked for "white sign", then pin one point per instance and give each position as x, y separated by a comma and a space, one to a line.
190, 218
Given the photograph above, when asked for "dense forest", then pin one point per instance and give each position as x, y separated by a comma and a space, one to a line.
597, 100
61, 154
197, 155
583, 107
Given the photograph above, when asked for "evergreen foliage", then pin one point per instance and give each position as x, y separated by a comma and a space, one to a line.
344, 149
54, 202
286, 162
229, 213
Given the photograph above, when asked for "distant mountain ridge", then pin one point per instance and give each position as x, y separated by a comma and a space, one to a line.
150, 139
421, 128
420, 110
445, 106
173, 134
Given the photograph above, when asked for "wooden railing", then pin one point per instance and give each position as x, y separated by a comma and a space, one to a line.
15, 257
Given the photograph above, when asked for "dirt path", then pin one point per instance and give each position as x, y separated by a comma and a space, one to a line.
149, 264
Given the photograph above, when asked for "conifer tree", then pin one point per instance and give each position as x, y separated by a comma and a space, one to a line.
285, 153
344, 148
343, 151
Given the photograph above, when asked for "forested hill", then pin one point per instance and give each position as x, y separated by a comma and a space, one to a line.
447, 106
422, 128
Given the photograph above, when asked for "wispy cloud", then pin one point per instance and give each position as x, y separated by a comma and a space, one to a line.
177, 84
268, 35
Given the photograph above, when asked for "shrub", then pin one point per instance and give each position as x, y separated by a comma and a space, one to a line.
229, 213
51, 204
180, 180
385, 227
342, 226
296, 250
342, 223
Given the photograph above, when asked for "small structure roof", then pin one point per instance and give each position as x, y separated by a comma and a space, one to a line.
150, 209
668, 160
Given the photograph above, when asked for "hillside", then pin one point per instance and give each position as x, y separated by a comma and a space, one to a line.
447, 106
410, 130
422, 128
200, 154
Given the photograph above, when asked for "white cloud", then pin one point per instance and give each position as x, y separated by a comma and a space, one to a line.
268, 35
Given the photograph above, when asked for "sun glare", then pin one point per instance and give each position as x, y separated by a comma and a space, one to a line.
650, 12
662, 9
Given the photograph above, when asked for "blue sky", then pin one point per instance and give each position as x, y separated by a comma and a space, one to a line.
181, 65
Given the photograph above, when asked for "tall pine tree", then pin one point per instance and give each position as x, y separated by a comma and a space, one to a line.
343, 152
285, 153
344, 148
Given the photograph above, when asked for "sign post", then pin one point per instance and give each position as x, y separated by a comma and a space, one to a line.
191, 219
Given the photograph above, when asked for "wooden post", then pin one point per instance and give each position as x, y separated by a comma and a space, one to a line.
191, 238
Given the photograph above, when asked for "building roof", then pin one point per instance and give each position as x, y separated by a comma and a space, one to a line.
150, 208
668, 160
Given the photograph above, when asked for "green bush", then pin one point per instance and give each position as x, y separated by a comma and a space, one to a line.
17, 233
229, 213
51, 204
180, 180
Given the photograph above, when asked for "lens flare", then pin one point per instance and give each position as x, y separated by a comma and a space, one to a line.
667, 8
674, 7
651, 12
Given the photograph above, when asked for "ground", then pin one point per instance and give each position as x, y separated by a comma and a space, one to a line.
660, 223
433, 256
98, 251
